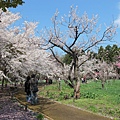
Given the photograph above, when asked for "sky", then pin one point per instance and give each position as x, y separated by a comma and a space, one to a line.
42, 11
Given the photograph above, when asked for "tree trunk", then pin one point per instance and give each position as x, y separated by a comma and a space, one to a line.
77, 79
117, 73
103, 85
77, 90
103, 77
3, 80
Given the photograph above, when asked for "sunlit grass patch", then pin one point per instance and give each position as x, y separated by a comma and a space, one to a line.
93, 98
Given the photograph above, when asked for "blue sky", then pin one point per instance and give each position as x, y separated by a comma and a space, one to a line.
42, 10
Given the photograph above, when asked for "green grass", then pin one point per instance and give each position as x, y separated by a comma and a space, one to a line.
93, 98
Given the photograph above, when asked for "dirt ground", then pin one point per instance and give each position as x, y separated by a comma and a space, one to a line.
10, 109
56, 111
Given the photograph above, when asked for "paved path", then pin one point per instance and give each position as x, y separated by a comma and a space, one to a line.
57, 111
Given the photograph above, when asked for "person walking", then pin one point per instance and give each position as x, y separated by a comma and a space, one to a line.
27, 88
33, 89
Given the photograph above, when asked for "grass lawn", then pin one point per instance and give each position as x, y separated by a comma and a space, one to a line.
93, 98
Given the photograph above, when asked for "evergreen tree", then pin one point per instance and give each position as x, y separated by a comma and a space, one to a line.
67, 59
101, 53
10, 3
109, 53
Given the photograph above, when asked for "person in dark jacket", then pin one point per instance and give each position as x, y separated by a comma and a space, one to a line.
27, 88
33, 89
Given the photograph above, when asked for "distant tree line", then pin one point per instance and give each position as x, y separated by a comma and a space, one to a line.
109, 54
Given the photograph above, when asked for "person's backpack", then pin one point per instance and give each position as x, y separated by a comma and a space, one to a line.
35, 88
34, 84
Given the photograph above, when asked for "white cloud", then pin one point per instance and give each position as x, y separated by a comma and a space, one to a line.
117, 21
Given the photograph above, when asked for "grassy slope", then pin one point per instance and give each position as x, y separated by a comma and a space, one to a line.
104, 101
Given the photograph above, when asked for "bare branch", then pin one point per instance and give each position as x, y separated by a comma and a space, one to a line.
56, 57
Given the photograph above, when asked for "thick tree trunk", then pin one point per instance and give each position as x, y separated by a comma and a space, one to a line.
77, 79
77, 90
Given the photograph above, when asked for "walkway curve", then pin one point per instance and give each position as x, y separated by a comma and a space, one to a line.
58, 111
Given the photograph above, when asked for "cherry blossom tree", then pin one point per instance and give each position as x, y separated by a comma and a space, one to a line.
19, 50
75, 35
104, 71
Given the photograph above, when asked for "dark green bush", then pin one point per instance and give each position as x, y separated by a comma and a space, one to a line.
40, 117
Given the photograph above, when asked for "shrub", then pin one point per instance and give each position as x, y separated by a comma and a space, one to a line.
40, 117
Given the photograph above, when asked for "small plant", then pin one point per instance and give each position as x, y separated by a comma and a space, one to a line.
40, 117
61, 93
89, 95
